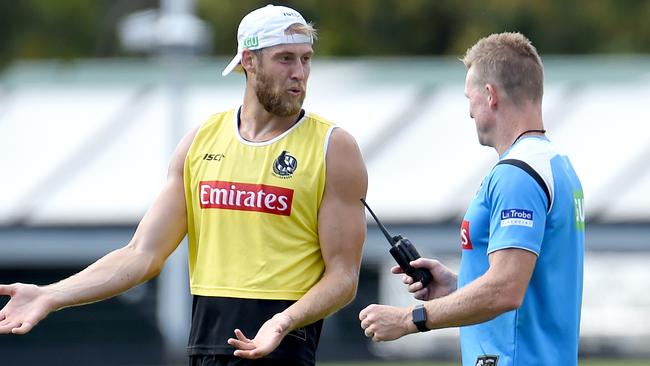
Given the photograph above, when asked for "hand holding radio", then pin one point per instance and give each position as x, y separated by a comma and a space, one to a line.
444, 280
404, 253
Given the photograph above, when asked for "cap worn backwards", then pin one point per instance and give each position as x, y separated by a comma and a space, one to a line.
265, 27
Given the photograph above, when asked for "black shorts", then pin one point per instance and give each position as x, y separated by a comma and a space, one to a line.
220, 360
214, 320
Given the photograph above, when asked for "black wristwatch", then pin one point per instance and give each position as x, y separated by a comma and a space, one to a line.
419, 314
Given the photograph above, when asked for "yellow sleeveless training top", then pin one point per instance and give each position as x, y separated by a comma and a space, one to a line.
253, 209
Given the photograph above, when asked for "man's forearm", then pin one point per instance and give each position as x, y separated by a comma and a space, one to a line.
502, 288
111, 275
331, 293
469, 305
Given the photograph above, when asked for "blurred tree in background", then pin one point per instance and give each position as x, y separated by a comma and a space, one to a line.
33, 29
37, 29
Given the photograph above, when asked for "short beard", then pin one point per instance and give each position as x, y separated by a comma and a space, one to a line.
273, 102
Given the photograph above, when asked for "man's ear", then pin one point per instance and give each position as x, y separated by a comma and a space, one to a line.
493, 95
248, 61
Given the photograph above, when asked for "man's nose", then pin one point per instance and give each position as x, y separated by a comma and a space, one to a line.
298, 72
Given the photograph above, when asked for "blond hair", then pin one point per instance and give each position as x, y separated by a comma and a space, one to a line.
304, 29
510, 61
295, 28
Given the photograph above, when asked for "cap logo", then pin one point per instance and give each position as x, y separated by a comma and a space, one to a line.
251, 42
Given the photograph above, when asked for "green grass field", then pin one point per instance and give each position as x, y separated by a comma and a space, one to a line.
589, 362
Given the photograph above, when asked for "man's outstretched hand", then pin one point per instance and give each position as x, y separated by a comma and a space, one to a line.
27, 306
266, 340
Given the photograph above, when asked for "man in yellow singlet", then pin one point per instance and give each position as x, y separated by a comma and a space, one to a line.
268, 195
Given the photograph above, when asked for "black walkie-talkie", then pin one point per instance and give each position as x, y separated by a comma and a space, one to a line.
404, 252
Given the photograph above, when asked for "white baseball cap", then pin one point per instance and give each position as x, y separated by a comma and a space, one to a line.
265, 27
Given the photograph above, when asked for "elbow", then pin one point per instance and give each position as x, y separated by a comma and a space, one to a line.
153, 264
509, 299
154, 268
351, 288
345, 285
505, 292
509, 303
351, 293
150, 264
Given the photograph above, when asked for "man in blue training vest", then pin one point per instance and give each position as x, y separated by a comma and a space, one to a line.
518, 293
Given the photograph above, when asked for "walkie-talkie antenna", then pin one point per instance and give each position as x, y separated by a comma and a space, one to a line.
404, 253
381, 226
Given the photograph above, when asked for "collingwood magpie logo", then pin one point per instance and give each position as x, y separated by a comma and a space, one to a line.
284, 165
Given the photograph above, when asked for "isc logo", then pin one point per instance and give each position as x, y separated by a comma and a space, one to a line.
215, 157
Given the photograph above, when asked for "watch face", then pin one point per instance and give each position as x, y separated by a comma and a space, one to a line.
420, 318
419, 314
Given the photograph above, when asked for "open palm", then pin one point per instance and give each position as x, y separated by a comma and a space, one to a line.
26, 307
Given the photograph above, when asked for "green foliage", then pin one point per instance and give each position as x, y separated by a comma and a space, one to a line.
66, 29
88, 28
449, 27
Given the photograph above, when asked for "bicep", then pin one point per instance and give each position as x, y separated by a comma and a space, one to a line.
512, 270
341, 220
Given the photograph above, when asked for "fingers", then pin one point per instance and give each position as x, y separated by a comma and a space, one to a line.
369, 330
240, 335
407, 280
23, 329
241, 342
6, 326
414, 287
9, 327
424, 263
363, 314
397, 269
245, 348
249, 354
423, 294
367, 323
7, 289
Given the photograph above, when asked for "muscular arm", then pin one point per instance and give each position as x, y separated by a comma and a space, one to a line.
500, 289
158, 234
342, 231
